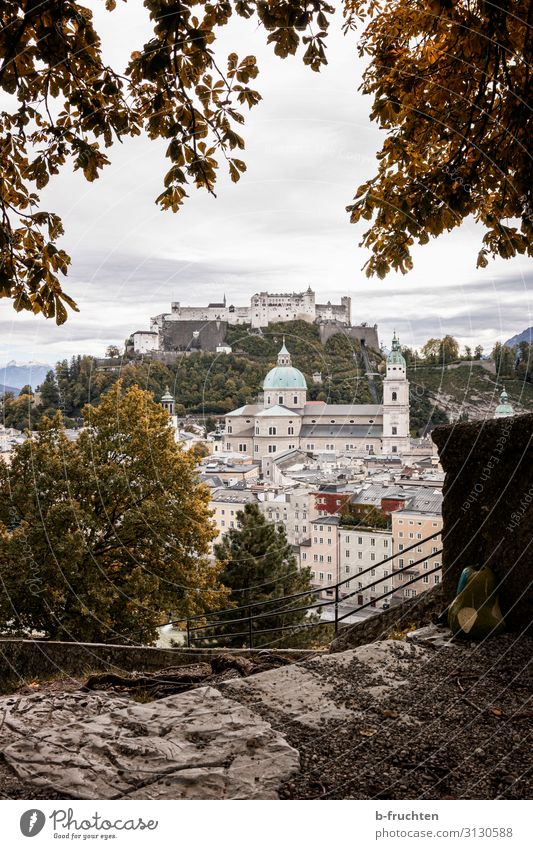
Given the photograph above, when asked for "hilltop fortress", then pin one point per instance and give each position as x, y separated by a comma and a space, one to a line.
204, 328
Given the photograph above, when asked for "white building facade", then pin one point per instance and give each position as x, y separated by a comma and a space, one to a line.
285, 420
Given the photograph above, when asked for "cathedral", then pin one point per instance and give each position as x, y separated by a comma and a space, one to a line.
286, 419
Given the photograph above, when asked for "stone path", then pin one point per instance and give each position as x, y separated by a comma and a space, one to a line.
196, 745
424, 718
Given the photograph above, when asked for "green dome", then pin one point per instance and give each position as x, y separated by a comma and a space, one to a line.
284, 377
504, 409
396, 357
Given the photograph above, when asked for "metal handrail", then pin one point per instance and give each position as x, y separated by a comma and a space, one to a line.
314, 589
328, 602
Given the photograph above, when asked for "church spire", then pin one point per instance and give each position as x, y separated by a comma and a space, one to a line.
284, 358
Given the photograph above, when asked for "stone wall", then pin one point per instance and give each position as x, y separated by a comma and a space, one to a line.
358, 333
421, 610
26, 660
488, 508
179, 335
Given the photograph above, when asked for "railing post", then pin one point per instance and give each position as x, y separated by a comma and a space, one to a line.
336, 608
250, 637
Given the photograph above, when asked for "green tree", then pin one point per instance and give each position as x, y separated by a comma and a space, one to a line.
364, 515
19, 412
257, 564
430, 351
109, 532
503, 359
478, 352
112, 351
448, 349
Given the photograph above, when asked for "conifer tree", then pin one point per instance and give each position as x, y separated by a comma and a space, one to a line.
258, 565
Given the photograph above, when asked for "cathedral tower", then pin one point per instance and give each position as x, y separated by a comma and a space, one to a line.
396, 437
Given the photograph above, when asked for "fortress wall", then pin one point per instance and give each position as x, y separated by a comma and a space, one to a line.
369, 334
180, 335
488, 508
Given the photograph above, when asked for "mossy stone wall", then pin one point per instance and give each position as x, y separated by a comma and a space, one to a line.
488, 508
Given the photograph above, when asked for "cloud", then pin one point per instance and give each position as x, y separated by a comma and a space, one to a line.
284, 226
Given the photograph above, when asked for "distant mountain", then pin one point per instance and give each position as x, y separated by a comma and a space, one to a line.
14, 376
4, 389
525, 336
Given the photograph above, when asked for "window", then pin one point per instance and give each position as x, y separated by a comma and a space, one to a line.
321, 576
321, 540
434, 549
373, 542
360, 540
329, 540
223, 524
310, 446
400, 577
329, 558
229, 429
242, 446
321, 528
385, 573
304, 556
394, 449
228, 446
401, 562
268, 400
411, 535
280, 399
385, 543
347, 569
394, 430
257, 449
400, 547
372, 556
411, 562
346, 553
315, 540
426, 579
295, 399
400, 534
436, 579
373, 573
290, 430
320, 558
419, 536
419, 548
386, 588
425, 564
271, 449
330, 576
359, 555
315, 558
394, 396
272, 431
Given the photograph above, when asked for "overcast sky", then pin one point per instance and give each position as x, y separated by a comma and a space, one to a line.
309, 144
